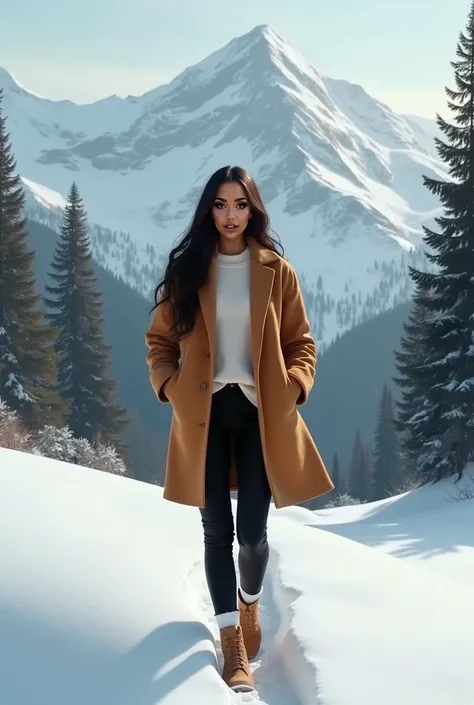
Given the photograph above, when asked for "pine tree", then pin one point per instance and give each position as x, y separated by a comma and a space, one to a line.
387, 462
75, 310
336, 476
368, 473
442, 427
357, 473
28, 363
414, 380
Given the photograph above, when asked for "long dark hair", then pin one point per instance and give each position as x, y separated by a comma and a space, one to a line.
188, 265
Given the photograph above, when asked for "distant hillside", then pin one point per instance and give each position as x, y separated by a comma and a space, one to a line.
349, 380
125, 321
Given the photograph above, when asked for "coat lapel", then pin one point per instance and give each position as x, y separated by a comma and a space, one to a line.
261, 284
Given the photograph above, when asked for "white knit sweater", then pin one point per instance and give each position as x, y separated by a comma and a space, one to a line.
233, 359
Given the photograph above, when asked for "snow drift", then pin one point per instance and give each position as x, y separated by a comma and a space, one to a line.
103, 598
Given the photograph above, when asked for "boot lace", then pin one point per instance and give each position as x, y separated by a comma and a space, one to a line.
249, 619
235, 652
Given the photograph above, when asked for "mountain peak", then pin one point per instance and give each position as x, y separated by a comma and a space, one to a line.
267, 36
263, 31
8, 81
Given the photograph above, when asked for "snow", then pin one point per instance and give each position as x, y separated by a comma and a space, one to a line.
103, 597
48, 198
13, 80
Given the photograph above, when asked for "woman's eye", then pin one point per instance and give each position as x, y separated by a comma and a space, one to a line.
219, 204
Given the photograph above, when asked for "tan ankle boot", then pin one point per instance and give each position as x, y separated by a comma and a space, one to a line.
236, 665
251, 630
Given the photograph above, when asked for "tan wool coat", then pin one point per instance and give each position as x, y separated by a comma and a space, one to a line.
284, 359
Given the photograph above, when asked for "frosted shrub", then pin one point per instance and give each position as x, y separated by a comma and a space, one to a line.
83, 453
56, 443
60, 444
13, 434
342, 500
6, 414
407, 485
463, 491
98, 457
107, 459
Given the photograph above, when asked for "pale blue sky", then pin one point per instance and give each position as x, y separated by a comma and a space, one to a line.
399, 51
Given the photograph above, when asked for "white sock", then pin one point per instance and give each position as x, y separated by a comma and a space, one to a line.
248, 599
228, 619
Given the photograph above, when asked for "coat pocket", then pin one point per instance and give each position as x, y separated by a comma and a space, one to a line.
169, 386
293, 388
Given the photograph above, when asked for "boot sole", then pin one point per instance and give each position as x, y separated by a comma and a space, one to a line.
252, 657
243, 688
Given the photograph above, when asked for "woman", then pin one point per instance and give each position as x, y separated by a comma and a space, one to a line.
230, 349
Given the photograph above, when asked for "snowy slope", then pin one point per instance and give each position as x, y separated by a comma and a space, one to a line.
398, 526
340, 172
103, 599
425, 130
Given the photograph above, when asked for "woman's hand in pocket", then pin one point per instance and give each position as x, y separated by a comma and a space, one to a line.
296, 387
165, 387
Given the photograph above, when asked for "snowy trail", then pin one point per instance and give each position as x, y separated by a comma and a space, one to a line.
273, 686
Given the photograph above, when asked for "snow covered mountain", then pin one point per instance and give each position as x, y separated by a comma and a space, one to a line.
103, 599
340, 172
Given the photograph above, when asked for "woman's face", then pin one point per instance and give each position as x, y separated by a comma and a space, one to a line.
231, 213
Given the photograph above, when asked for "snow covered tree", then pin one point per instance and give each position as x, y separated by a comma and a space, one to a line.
75, 309
28, 363
439, 371
387, 462
414, 380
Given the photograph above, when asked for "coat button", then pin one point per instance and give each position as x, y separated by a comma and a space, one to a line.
203, 386
202, 424
207, 355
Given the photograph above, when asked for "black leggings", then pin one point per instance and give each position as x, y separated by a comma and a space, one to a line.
234, 420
